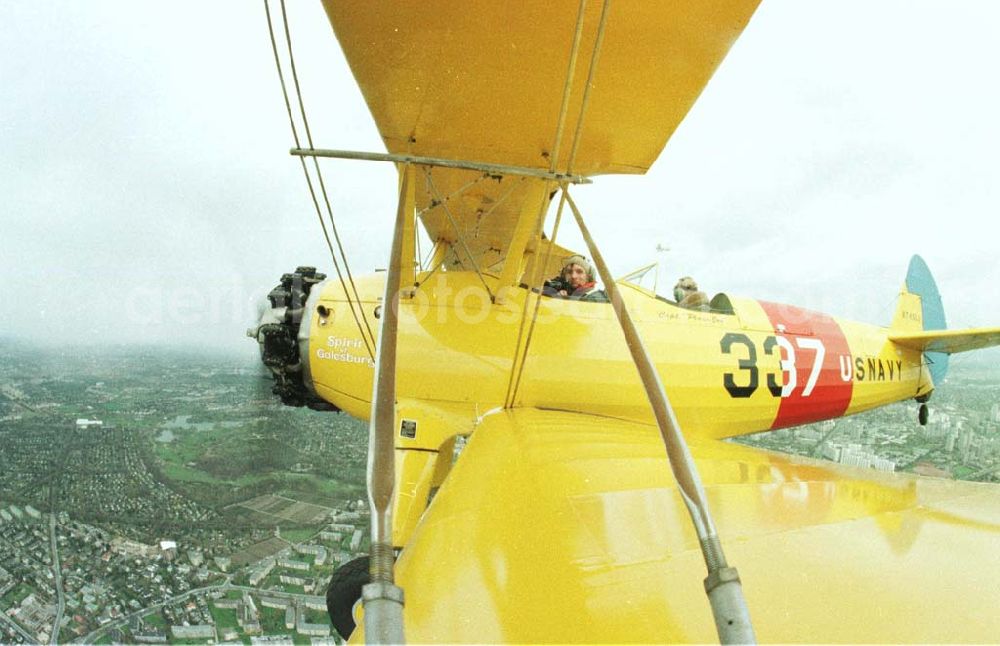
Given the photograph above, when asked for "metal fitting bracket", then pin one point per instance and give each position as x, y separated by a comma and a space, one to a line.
720, 577
379, 590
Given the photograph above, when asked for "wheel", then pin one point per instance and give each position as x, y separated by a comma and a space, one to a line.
922, 415
344, 591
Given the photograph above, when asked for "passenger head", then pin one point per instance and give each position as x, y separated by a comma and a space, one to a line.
577, 271
684, 288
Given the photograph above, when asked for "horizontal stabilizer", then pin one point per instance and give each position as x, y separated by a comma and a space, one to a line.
948, 341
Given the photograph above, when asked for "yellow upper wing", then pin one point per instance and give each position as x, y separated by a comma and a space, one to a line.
557, 527
483, 80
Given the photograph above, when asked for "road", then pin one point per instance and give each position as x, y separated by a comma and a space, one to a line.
817, 451
56, 571
982, 472
118, 623
17, 627
59, 592
918, 458
275, 593
227, 585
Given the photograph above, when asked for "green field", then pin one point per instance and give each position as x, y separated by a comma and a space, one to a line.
224, 618
220, 459
316, 616
17, 595
156, 620
193, 447
272, 621
205, 458
327, 495
299, 535
961, 472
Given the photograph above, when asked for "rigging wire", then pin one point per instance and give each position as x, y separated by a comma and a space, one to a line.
425, 261
430, 254
601, 28
434, 203
439, 265
416, 249
458, 232
503, 198
540, 225
722, 585
312, 192
515, 383
571, 70
564, 193
319, 174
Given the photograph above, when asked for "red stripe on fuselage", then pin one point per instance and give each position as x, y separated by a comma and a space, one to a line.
808, 333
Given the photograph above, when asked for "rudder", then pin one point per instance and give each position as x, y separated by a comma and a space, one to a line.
920, 308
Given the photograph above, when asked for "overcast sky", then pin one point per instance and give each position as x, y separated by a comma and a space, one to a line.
146, 193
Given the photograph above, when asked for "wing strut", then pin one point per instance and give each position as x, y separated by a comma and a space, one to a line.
383, 599
725, 593
485, 167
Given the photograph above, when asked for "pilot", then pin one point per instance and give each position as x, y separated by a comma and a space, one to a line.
576, 282
687, 294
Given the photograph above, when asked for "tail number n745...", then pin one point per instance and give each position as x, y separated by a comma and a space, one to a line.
750, 378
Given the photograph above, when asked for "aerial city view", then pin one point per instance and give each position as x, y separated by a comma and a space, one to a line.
157, 496
481, 178
152, 497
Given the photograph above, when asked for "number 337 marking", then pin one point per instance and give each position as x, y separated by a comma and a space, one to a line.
749, 364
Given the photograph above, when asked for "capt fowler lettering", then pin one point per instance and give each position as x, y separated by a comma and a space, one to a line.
344, 350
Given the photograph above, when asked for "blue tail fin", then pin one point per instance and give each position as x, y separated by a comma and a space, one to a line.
920, 282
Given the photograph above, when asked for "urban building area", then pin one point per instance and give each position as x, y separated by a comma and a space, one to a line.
154, 497
164, 498
961, 439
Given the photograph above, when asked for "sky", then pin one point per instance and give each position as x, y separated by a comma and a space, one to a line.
147, 195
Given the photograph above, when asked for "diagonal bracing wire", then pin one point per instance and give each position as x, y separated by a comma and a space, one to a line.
556, 145
515, 382
722, 585
503, 198
447, 198
424, 262
319, 174
363, 327
458, 232
564, 193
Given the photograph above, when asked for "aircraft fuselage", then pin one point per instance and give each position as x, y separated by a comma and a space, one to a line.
753, 367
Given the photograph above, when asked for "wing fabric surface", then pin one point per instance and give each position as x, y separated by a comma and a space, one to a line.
559, 527
948, 341
484, 81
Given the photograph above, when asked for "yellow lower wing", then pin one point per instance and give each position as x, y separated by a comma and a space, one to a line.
558, 527
949, 341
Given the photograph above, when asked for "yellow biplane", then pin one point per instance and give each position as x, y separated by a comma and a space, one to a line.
595, 491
